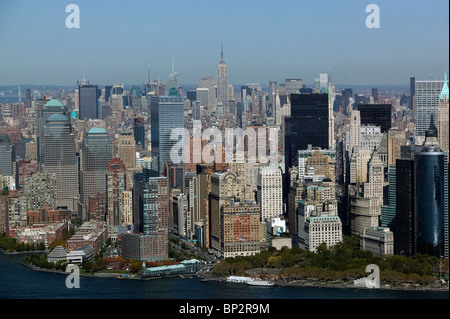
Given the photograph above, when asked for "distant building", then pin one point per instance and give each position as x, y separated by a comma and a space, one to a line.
59, 157
307, 125
88, 96
6, 156
96, 153
80, 255
426, 99
378, 240
240, 229
270, 192
376, 114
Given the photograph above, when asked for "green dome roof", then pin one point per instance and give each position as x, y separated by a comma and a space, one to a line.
97, 130
54, 103
57, 117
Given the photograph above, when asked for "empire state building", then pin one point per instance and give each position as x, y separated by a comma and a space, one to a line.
222, 82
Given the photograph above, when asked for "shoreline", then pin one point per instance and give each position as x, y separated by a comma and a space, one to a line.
340, 285
277, 283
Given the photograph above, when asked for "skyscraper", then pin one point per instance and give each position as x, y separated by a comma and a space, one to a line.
223, 191
53, 106
207, 82
426, 104
431, 194
412, 91
126, 150
270, 192
355, 132
442, 119
59, 157
139, 132
96, 153
155, 216
405, 222
222, 81
307, 125
115, 186
6, 156
88, 96
167, 113
376, 114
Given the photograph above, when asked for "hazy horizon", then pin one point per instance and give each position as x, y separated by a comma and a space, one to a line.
262, 41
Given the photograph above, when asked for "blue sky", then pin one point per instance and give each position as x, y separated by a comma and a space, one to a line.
263, 41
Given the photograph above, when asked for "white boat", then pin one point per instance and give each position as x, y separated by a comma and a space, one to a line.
259, 282
238, 279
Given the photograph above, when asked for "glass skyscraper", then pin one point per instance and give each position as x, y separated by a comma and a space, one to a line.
58, 156
426, 104
88, 96
167, 113
307, 125
431, 193
96, 153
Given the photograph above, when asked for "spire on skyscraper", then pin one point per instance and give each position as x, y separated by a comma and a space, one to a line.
221, 52
445, 91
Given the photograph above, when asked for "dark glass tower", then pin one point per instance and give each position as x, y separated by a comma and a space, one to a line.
376, 114
431, 190
412, 91
88, 96
404, 241
139, 131
307, 125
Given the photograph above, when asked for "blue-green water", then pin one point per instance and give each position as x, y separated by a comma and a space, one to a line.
20, 282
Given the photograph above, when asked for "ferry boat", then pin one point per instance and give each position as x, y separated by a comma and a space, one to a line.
238, 279
259, 282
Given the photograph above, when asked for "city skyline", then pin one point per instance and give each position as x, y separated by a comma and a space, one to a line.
262, 42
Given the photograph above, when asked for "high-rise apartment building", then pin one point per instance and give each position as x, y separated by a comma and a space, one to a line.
40, 189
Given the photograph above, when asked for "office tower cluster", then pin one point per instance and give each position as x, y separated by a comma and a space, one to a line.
306, 162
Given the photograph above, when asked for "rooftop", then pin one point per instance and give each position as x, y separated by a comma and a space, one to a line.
97, 130
54, 102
